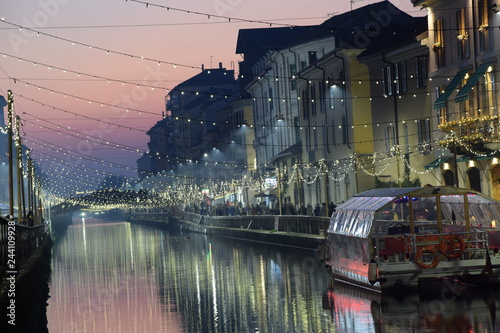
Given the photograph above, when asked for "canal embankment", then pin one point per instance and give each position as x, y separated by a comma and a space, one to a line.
298, 231
24, 288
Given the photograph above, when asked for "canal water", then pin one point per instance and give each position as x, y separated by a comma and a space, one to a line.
122, 277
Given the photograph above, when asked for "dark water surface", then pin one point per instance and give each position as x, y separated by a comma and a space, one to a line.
120, 277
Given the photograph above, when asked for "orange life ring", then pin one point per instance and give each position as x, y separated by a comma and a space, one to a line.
422, 250
453, 246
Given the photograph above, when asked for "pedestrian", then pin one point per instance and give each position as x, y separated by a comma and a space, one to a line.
309, 210
317, 210
322, 211
331, 207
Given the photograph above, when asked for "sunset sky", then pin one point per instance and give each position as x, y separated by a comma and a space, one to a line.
61, 88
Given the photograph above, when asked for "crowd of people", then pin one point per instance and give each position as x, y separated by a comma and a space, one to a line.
229, 208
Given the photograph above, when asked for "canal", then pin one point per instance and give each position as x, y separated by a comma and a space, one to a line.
122, 277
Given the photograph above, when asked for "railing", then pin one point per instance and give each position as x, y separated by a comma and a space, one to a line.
312, 225
458, 245
26, 240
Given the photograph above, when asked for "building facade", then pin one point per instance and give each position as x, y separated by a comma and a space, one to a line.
464, 48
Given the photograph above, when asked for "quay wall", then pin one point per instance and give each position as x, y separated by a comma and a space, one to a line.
287, 230
31, 293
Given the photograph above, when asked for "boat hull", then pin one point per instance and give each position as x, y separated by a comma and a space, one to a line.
393, 275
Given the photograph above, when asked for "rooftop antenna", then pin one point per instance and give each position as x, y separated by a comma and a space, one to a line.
353, 2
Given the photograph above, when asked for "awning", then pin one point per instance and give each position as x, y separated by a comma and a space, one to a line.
465, 158
441, 101
463, 94
436, 163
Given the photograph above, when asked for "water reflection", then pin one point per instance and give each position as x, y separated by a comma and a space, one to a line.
118, 277
452, 308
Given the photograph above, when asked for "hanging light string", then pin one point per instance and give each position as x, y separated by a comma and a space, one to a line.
108, 51
114, 145
76, 134
52, 147
225, 96
312, 170
239, 125
207, 15
123, 82
80, 98
175, 65
213, 142
306, 166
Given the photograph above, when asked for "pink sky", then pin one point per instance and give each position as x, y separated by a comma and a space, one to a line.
131, 28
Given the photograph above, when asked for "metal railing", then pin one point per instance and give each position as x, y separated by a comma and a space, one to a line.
18, 242
311, 225
394, 248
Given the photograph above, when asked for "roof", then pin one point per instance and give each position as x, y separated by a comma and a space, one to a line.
352, 28
406, 34
255, 43
395, 192
355, 216
294, 149
208, 77
348, 28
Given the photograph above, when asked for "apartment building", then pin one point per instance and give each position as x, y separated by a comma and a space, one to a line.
464, 48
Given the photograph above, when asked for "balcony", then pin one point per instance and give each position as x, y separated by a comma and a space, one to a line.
477, 131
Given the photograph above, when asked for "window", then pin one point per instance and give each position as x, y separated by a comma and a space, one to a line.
387, 81
486, 93
345, 133
400, 77
331, 91
306, 135
313, 100
390, 140
322, 99
441, 112
334, 133
485, 33
324, 134
421, 71
438, 46
271, 100
312, 57
406, 150
293, 71
305, 104
462, 35
296, 128
424, 136
467, 107
315, 138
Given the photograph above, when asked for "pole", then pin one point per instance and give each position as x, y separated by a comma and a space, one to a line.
30, 183
298, 187
456, 162
323, 167
10, 108
19, 163
279, 189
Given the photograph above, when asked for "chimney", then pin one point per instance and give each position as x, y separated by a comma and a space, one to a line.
202, 67
220, 65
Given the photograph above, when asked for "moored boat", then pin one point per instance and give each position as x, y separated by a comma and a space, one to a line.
386, 238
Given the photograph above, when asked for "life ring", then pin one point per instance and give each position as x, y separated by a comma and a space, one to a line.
422, 250
453, 246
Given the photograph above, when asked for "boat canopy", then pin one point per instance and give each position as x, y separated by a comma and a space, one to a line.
356, 216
